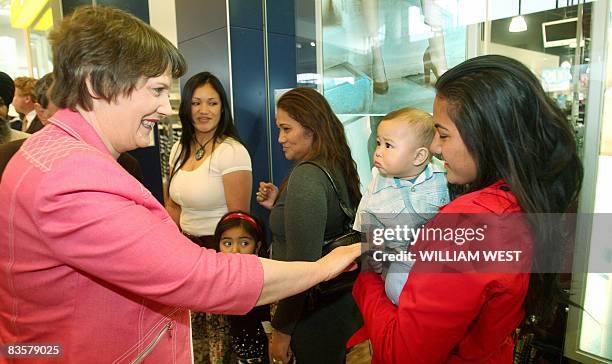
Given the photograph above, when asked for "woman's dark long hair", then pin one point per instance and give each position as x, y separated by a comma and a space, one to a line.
225, 128
515, 132
309, 108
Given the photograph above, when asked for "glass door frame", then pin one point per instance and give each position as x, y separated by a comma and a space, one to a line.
477, 43
591, 150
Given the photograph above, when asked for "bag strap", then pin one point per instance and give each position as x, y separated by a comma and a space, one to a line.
350, 214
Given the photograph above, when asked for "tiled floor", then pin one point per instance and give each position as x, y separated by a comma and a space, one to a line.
403, 92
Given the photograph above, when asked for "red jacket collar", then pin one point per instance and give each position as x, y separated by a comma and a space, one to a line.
496, 198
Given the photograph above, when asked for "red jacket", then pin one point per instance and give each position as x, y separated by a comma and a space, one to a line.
451, 317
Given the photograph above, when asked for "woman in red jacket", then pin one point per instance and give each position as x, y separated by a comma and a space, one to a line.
511, 150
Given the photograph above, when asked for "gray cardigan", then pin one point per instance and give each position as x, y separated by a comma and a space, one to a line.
306, 213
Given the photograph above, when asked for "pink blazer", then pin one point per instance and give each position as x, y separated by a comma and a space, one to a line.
91, 261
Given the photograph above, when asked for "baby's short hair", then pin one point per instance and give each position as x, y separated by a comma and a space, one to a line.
421, 121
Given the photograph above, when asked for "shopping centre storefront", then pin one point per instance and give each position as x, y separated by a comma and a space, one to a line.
369, 57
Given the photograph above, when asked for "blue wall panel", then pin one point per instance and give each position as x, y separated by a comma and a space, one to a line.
149, 161
281, 60
250, 101
139, 8
246, 14
281, 16
68, 6
282, 66
249, 84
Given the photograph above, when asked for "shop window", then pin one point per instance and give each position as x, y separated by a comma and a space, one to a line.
369, 57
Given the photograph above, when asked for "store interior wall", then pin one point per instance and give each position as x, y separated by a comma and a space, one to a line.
228, 38
162, 15
263, 60
282, 65
203, 38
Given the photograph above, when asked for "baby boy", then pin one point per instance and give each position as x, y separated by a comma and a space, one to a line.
408, 187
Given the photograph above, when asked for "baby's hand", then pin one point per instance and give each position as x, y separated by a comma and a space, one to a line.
375, 265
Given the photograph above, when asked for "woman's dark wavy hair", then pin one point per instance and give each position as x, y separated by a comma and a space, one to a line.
514, 131
258, 235
309, 108
225, 128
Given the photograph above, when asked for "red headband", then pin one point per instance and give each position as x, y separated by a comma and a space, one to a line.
247, 218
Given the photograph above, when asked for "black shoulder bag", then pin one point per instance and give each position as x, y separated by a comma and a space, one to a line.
327, 292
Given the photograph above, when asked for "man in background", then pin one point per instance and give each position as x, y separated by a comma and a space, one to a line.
7, 91
24, 103
44, 108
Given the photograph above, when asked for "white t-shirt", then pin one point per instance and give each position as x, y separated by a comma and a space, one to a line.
200, 192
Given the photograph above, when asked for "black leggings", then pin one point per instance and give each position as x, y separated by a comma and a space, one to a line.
321, 337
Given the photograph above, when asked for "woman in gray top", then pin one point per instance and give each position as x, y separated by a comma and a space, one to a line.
305, 212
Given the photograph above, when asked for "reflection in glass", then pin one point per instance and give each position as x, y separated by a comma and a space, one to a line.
380, 55
370, 57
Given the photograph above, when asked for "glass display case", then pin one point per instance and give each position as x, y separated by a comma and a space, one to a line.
369, 57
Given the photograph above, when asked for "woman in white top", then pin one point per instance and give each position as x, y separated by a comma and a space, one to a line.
210, 175
210, 169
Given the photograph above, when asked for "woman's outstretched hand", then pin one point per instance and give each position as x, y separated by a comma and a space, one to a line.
340, 260
266, 195
285, 279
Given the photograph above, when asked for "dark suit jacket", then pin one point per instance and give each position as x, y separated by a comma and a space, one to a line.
7, 150
35, 126
131, 165
15, 124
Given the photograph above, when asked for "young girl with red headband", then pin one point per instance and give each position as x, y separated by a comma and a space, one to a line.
240, 232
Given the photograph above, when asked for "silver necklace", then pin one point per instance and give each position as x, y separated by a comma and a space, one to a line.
200, 151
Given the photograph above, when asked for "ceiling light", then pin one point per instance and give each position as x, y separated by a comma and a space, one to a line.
518, 23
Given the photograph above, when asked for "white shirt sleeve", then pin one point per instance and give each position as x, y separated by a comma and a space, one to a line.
174, 155
363, 204
231, 157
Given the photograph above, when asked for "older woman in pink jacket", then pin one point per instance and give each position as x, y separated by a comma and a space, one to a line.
90, 261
